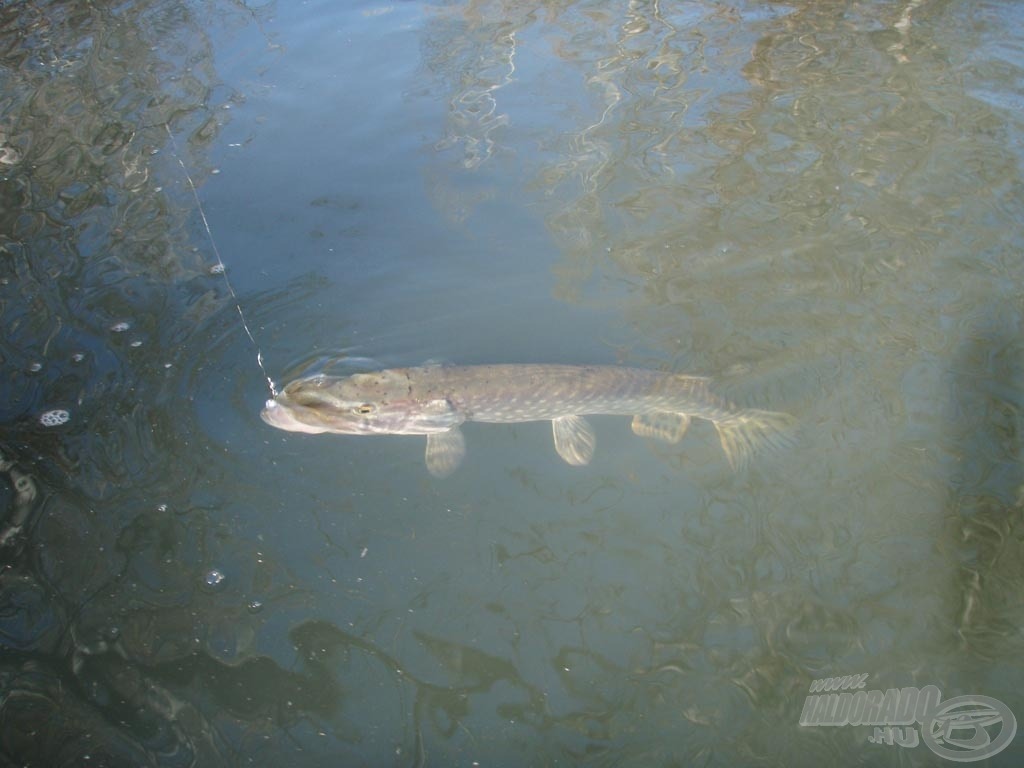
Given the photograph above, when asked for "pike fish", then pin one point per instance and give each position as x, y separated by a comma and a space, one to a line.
435, 400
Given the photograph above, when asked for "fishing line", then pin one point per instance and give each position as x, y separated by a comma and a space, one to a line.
220, 263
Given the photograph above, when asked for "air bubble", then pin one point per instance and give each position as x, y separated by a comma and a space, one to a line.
35, 367
54, 418
120, 327
217, 269
214, 578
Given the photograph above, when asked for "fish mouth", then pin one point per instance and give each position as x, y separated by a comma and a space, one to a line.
273, 414
269, 412
283, 416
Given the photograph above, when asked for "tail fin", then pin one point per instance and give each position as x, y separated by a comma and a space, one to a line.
749, 430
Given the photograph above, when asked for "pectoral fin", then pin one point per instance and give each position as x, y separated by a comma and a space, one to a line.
438, 414
669, 427
445, 451
574, 439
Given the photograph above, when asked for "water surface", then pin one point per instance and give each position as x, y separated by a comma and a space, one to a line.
818, 204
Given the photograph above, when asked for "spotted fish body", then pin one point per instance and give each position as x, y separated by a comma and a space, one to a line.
435, 400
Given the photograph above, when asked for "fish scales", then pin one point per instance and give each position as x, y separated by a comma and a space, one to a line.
547, 392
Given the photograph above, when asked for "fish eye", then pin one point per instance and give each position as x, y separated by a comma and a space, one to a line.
364, 409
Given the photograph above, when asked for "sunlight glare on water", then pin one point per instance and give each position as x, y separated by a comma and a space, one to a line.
816, 204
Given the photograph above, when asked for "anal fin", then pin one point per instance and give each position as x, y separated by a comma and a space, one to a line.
574, 439
663, 425
445, 451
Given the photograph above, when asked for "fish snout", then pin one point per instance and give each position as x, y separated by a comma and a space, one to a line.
270, 412
284, 416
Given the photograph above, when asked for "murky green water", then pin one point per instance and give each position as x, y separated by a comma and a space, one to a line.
817, 203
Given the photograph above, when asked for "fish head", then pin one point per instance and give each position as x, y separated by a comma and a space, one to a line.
379, 403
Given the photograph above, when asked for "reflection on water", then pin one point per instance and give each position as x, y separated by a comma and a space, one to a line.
986, 502
817, 203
